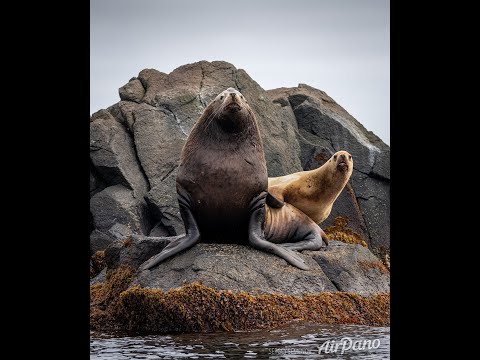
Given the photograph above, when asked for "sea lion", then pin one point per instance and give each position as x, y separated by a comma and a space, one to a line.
222, 182
288, 226
313, 192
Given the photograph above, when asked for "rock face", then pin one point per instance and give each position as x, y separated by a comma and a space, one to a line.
118, 205
134, 250
113, 155
237, 268
342, 267
135, 148
353, 268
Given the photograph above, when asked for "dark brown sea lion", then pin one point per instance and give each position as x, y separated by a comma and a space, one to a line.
222, 183
313, 192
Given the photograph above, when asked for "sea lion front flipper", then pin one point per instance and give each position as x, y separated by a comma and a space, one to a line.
276, 193
273, 202
191, 237
257, 239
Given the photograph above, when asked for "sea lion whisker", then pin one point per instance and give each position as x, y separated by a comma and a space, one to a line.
214, 115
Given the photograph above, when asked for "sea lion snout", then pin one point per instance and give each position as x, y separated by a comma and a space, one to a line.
343, 160
233, 100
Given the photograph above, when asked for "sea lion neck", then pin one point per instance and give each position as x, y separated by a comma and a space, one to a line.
229, 125
329, 181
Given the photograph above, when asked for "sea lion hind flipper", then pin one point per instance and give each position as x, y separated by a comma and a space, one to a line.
311, 242
308, 236
273, 202
186, 241
256, 237
288, 255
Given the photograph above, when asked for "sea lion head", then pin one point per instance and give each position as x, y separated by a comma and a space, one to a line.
343, 163
230, 112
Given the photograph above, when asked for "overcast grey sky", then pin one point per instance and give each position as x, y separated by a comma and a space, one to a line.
339, 46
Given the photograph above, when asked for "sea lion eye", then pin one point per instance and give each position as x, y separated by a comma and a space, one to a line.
350, 157
335, 157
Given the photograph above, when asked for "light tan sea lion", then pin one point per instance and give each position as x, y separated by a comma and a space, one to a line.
313, 192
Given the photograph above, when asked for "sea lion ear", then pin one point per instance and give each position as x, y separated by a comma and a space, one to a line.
273, 202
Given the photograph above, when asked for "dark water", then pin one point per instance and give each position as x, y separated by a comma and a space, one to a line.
295, 341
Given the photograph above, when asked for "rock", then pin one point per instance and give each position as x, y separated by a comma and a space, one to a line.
96, 184
125, 114
152, 81
116, 204
132, 91
347, 207
97, 263
163, 204
100, 278
373, 197
99, 241
179, 94
117, 114
119, 231
237, 268
159, 141
159, 230
134, 250
113, 155
353, 268
324, 127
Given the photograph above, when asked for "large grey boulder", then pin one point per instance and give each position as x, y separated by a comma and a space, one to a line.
99, 241
132, 91
163, 204
96, 184
113, 155
353, 268
237, 268
341, 267
117, 204
159, 140
133, 250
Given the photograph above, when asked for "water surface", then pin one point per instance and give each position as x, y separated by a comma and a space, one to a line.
295, 341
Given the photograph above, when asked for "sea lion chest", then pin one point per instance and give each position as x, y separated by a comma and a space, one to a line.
221, 182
